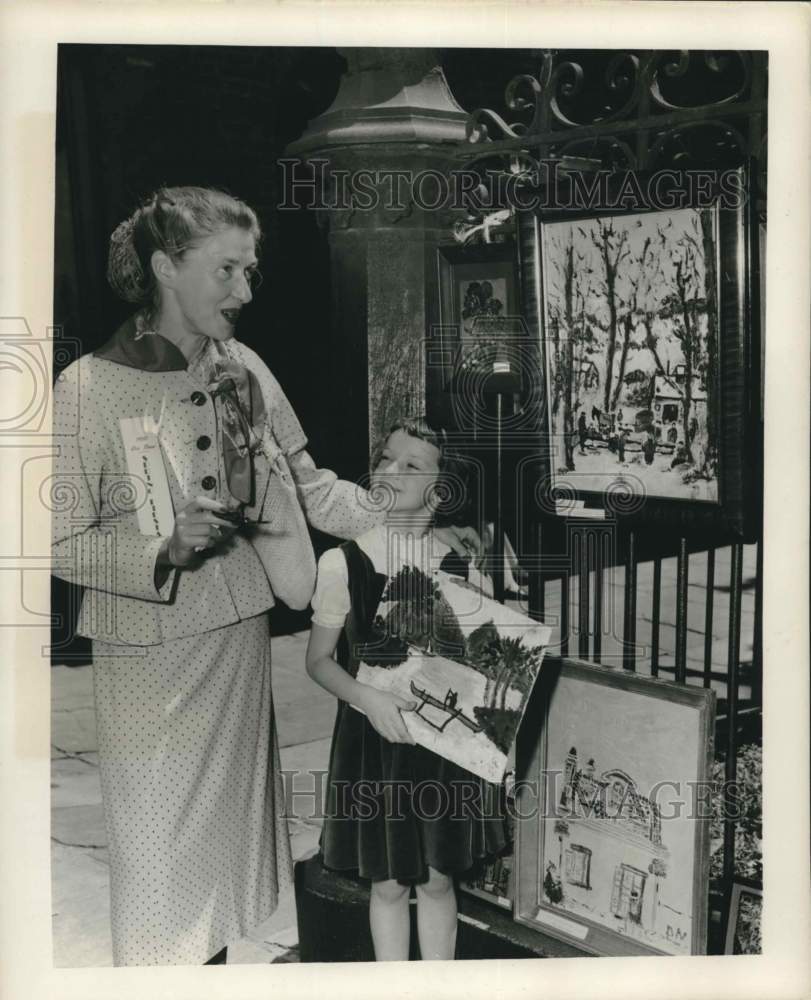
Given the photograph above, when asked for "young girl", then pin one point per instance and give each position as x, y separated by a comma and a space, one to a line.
397, 813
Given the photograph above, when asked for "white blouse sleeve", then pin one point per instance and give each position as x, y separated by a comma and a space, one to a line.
331, 601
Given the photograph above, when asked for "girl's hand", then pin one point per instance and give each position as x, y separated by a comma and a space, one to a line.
383, 711
197, 528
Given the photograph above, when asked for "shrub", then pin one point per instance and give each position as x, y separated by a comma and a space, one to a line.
748, 808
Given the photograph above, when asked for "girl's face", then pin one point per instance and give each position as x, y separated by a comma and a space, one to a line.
409, 467
208, 286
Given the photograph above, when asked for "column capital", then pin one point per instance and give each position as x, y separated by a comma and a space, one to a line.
387, 96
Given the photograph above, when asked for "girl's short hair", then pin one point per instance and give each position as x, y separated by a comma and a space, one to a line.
172, 219
454, 507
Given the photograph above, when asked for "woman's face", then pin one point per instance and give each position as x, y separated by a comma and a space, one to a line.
409, 467
208, 286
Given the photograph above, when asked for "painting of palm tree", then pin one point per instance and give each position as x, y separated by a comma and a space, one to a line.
469, 662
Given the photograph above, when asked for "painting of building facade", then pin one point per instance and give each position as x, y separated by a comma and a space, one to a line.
611, 858
631, 331
617, 857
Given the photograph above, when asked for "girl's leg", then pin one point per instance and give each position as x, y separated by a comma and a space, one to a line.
389, 920
436, 916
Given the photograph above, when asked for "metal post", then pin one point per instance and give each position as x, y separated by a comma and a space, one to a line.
708, 614
629, 631
656, 616
735, 588
682, 579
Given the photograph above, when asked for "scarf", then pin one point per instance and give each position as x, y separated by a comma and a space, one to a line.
241, 417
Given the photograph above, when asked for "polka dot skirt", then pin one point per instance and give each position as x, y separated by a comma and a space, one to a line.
192, 793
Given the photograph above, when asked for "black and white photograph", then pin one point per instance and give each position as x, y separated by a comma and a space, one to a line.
394, 506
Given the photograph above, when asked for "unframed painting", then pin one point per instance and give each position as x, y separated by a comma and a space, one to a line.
468, 661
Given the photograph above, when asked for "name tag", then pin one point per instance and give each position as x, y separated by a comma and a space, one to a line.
142, 448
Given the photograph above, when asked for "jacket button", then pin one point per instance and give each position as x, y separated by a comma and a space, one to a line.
209, 482
204, 442
198, 398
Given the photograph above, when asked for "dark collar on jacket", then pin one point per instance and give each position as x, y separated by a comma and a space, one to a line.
149, 353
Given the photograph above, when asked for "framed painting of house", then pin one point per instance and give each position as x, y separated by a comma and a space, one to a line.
613, 820
647, 326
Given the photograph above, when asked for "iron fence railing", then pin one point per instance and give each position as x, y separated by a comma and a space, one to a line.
693, 617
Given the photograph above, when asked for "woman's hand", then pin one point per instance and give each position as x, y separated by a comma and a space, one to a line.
383, 711
465, 542
197, 528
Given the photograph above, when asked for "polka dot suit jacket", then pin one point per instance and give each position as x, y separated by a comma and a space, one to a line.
96, 539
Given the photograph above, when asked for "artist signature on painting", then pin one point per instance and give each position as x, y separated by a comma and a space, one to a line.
676, 936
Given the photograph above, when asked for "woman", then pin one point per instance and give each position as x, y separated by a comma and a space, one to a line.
188, 751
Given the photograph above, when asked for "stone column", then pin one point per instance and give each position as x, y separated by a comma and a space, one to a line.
380, 157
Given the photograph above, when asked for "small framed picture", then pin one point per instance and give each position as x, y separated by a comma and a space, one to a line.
479, 307
481, 347
494, 880
743, 924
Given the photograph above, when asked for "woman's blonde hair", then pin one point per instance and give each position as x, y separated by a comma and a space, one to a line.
173, 220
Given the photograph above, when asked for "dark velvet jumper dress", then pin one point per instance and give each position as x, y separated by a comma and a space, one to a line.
393, 809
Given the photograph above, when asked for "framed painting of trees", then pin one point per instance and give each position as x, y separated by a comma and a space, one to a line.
647, 328
613, 835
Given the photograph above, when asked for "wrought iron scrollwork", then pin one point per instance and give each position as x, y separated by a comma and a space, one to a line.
611, 150
629, 110
702, 143
515, 102
721, 64
622, 76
